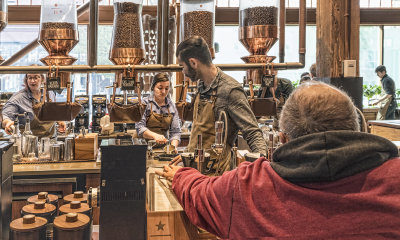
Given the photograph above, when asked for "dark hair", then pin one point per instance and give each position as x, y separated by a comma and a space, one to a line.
159, 77
313, 70
194, 47
305, 74
380, 68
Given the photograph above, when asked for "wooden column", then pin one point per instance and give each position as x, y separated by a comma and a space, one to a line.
338, 28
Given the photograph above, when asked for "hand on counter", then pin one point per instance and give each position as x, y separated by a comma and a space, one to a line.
175, 160
169, 172
61, 127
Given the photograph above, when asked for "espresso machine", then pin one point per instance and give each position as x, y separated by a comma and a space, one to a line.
99, 104
82, 120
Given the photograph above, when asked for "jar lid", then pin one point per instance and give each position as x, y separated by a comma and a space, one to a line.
76, 196
74, 207
39, 207
27, 223
42, 197
71, 221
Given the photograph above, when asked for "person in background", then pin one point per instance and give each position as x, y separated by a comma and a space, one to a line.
389, 104
328, 181
23, 101
160, 121
217, 93
313, 72
305, 76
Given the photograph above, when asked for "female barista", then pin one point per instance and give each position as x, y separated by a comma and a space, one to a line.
160, 115
22, 101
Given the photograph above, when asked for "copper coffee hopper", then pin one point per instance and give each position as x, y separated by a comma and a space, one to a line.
59, 39
256, 75
3, 24
125, 56
258, 39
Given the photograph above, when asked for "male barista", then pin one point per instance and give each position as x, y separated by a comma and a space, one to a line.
217, 92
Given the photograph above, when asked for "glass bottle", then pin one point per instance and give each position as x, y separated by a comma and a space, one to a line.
27, 132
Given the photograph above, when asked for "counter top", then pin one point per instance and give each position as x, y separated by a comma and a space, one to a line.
386, 123
56, 168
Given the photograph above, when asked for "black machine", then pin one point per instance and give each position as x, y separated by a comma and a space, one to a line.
6, 172
122, 194
82, 120
99, 104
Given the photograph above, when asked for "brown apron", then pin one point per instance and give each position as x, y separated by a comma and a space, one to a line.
383, 109
158, 122
203, 123
41, 128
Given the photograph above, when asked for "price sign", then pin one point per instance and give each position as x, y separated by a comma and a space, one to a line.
128, 83
53, 83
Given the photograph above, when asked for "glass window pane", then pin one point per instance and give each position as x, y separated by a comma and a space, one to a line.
364, 3
369, 53
294, 3
222, 3
386, 3
395, 3
374, 3
392, 53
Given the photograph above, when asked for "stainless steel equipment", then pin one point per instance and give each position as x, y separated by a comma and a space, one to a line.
69, 149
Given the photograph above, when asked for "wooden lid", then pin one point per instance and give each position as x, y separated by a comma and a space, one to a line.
77, 196
74, 207
71, 221
39, 197
28, 223
39, 207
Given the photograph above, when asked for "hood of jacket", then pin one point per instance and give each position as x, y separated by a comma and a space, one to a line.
332, 155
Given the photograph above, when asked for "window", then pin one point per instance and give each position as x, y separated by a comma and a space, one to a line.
369, 53
392, 53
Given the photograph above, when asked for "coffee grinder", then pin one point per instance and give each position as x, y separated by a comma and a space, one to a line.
131, 99
99, 103
82, 120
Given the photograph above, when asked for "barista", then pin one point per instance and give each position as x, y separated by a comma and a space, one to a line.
217, 92
160, 119
22, 102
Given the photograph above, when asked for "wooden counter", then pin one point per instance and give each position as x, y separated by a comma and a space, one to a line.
389, 129
56, 168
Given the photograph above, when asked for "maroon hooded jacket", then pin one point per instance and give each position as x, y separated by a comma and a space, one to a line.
331, 185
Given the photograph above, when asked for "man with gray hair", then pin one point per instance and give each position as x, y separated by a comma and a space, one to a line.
328, 181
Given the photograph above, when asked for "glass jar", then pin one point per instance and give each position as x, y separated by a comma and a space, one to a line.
198, 19
258, 22
3, 14
127, 43
58, 26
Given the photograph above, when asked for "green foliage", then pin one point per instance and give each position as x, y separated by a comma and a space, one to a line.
371, 90
295, 84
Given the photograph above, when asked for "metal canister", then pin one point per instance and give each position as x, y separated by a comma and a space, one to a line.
28, 227
55, 152
72, 226
44, 197
76, 196
76, 207
69, 149
45, 210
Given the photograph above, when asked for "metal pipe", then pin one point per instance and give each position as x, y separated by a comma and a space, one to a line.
143, 68
32, 45
282, 26
302, 32
159, 31
165, 20
93, 29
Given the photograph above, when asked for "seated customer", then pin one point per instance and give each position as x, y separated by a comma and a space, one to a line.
329, 181
23, 101
160, 118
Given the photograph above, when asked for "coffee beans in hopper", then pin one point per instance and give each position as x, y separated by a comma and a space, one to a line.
127, 26
259, 16
57, 25
199, 23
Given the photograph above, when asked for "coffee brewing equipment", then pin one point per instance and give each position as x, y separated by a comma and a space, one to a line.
127, 43
122, 194
72, 226
258, 32
58, 34
3, 18
99, 104
28, 227
119, 99
82, 119
198, 19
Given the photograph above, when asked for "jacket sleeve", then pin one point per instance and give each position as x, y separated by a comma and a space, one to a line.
240, 112
207, 201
